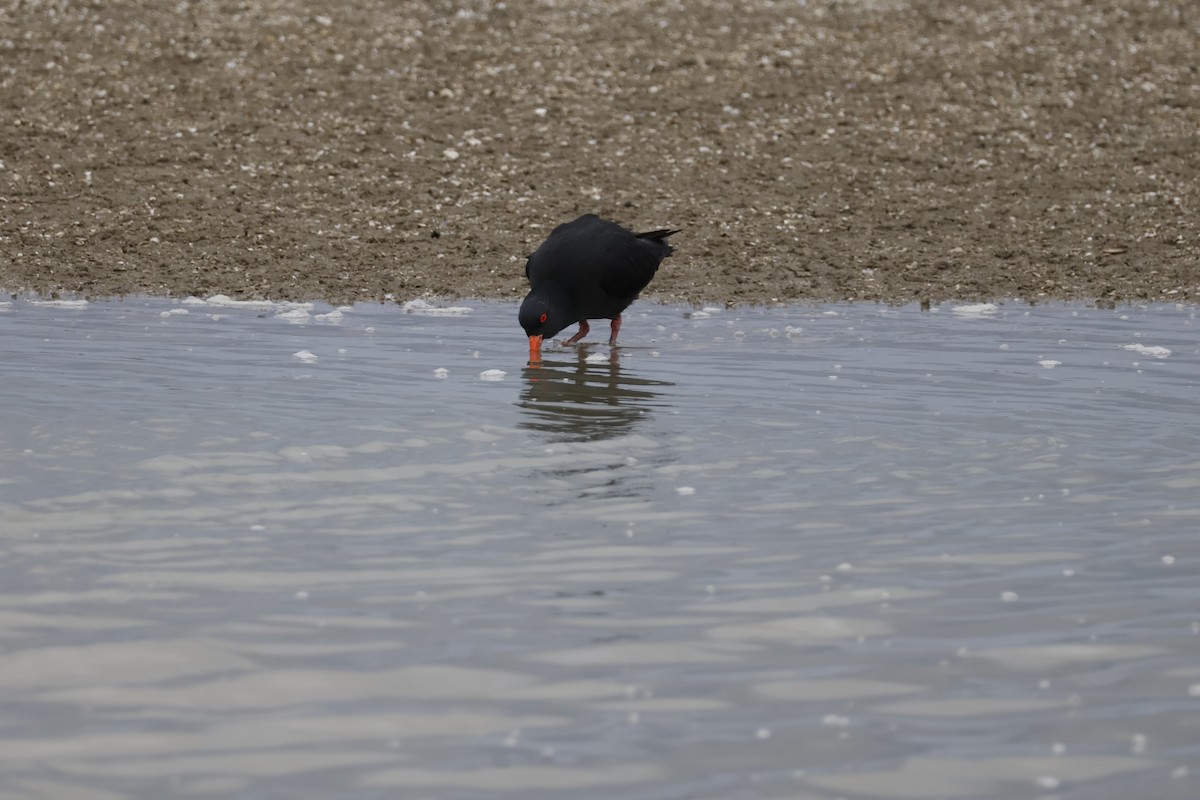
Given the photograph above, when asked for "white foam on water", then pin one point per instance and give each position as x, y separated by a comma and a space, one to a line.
1153, 350
305, 356
492, 375
1049, 363
60, 303
174, 312
332, 318
685, 490
298, 313
225, 301
441, 372
296, 316
424, 308
975, 310
597, 358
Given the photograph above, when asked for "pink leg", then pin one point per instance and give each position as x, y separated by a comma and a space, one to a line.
583, 331
616, 326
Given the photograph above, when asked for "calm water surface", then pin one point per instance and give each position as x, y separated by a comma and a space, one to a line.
270, 551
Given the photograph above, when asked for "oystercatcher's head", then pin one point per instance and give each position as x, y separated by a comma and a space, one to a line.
540, 319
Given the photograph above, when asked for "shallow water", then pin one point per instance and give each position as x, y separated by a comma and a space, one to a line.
842, 551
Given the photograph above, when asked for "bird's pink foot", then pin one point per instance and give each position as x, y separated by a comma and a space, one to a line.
616, 326
583, 331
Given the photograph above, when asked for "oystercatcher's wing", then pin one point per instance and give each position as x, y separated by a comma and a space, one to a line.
632, 262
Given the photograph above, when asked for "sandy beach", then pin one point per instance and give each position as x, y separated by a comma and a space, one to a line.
873, 150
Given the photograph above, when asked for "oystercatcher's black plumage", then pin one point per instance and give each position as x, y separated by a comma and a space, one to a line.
587, 269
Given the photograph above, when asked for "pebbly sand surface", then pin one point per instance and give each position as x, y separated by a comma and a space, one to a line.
824, 150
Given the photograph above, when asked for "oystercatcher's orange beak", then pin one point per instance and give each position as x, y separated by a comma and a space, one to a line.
535, 348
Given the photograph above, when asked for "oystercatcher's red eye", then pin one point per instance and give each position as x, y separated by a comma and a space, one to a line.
542, 318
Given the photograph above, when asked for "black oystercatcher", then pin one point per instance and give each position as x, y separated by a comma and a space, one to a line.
587, 269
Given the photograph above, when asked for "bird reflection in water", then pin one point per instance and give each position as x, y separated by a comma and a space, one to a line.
574, 401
